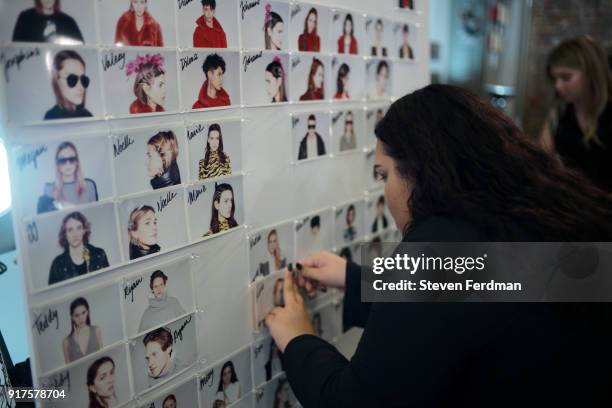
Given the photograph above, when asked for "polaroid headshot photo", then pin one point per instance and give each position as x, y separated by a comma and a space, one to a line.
62, 174
214, 207
276, 393
157, 296
349, 221
265, 25
182, 395
379, 78
373, 180
162, 353
314, 233
66, 22
347, 130
148, 159
347, 77
215, 149
152, 223
311, 135
405, 38
351, 253
347, 32
378, 218
310, 28
209, 79
139, 81
267, 294
267, 76
99, 380
373, 116
309, 73
208, 24
228, 381
68, 244
70, 329
266, 360
51, 83
327, 321
137, 23
406, 4
270, 250
380, 37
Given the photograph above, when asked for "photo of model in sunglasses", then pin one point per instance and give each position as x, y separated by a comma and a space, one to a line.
69, 187
69, 84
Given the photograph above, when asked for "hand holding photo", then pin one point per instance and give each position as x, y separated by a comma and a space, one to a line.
270, 250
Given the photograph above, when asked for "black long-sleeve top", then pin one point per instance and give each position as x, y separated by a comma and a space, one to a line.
443, 354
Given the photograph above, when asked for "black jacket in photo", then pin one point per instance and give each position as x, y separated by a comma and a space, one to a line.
62, 267
303, 152
32, 26
171, 177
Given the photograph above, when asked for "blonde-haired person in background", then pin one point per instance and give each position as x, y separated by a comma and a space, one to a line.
579, 125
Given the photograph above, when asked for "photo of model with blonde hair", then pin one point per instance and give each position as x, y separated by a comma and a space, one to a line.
142, 232
162, 155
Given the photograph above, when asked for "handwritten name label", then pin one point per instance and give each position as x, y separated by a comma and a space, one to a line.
336, 17
112, 59
257, 350
247, 5
255, 240
30, 157
191, 133
295, 61
339, 212
178, 334
369, 64
183, 3
17, 60
294, 121
396, 28
259, 290
369, 114
188, 60
207, 379
370, 154
249, 59
195, 194
44, 320
165, 200
130, 287
259, 396
368, 23
3, 268
58, 381
370, 204
335, 62
121, 144
32, 232
337, 117
295, 10
301, 223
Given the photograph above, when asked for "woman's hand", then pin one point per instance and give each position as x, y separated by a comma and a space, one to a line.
324, 267
286, 323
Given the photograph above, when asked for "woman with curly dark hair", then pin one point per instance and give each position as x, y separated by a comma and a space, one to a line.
457, 169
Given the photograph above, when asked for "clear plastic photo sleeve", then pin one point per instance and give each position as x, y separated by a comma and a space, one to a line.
379, 34
352, 253
347, 78
215, 149
182, 395
163, 353
100, 379
61, 174
228, 381
214, 207
267, 294
349, 222
207, 24
152, 223
406, 38
69, 22
157, 296
311, 135
270, 250
310, 77
267, 76
70, 329
379, 78
69, 244
139, 81
51, 84
276, 393
267, 360
209, 79
147, 159
314, 233
310, 28
327, 321
347, 32
265, 25
373, 116
378, 217
118, 20
348, 130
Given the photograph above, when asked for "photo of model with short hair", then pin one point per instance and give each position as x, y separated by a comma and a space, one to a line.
79, 256
160, 356
162, 307
209, 32
312, 144
212, 94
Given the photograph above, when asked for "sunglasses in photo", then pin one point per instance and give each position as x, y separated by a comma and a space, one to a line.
73, 79
64, 160
312, 126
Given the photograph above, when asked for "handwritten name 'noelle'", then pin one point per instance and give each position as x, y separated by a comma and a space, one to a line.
113, 58
122, 144
30, 157
249, 59
164, 201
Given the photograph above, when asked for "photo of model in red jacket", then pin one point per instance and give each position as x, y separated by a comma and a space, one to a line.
208, 32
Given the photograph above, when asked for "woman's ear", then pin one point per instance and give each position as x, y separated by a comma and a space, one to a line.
216, 204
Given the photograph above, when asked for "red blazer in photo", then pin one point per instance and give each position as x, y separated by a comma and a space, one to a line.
353, 47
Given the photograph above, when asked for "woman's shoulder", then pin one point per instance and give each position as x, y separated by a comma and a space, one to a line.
441, 228
94, 250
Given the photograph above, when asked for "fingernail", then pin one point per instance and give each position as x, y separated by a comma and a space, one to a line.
290, 267
299, 266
